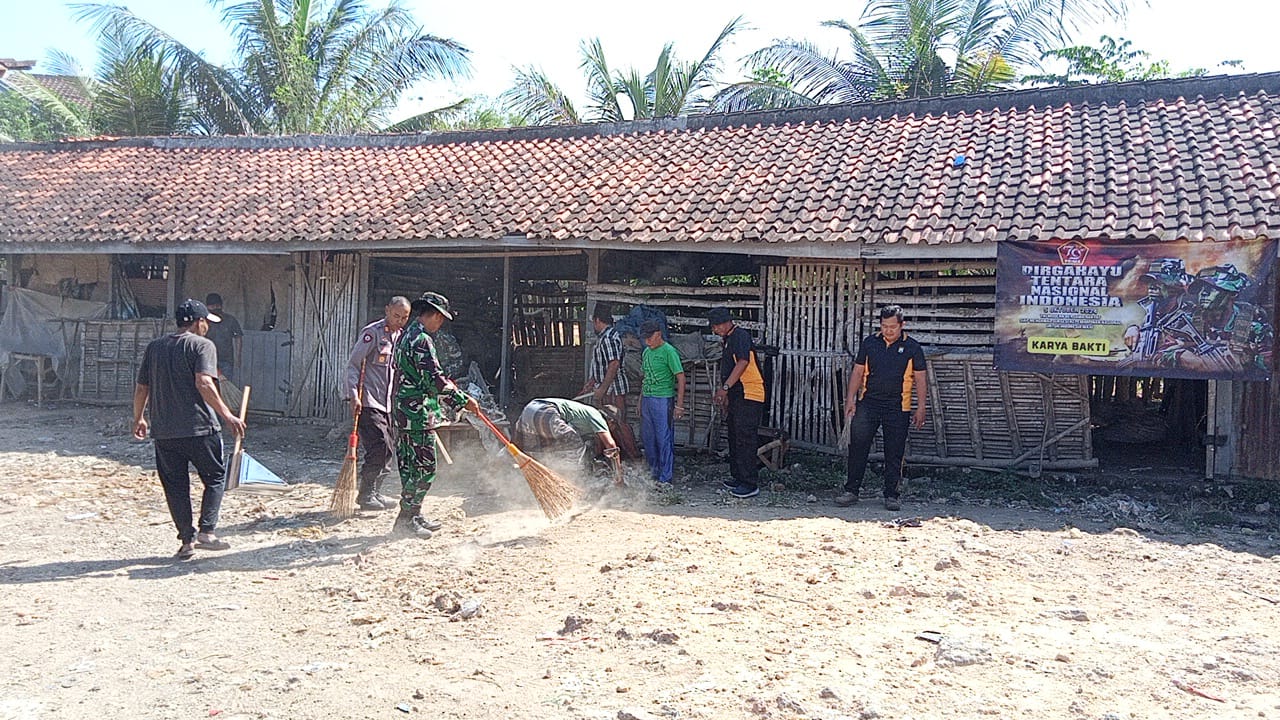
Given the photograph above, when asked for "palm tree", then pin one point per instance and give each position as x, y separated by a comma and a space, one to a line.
300, 67
918, 48
136, 91
672, 88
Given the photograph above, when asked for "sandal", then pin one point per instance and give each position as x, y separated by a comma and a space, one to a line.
214, 544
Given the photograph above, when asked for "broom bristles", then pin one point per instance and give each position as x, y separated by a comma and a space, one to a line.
555, 495
843, 442
343, 502
231, 395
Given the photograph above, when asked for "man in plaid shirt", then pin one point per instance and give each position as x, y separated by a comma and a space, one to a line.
606, 380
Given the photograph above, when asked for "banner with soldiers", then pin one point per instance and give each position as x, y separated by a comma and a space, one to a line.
1174, 309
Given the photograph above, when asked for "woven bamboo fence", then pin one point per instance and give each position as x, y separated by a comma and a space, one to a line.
818, 312
980, 417
326, 305
112, 350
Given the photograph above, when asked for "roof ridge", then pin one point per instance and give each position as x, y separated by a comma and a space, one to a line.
1027, 98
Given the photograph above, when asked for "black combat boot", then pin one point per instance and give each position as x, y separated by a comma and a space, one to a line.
410, 524
369, 499
387, 503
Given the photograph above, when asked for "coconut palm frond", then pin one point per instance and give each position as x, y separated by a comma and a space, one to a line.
701, 74
756, 95
212, 86
140, 91
437, 119
74, 119
602, 86
638, 89
812, 73
536, 100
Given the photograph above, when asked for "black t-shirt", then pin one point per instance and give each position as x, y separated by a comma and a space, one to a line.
891, 370
223, 335
169, 369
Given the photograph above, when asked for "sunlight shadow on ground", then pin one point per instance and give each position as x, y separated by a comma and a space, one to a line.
281, 556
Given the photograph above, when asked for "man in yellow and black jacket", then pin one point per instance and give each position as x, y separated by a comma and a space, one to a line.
741, 398
888, 366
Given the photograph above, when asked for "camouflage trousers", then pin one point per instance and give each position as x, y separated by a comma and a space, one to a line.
416, 459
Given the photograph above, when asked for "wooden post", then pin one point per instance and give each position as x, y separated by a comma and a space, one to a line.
1222, 414
171, 286
504, 378
593, 279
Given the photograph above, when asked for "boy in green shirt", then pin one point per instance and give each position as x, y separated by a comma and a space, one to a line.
661, 400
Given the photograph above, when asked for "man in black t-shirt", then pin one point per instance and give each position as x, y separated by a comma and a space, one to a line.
741, 398
227, 337
178, 379
888, 366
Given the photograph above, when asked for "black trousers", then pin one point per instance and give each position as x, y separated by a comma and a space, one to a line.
743, 424
866, 421
173, 460
379, 443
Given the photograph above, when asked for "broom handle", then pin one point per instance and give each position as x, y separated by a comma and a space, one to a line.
353, 440
244, 411
493, 427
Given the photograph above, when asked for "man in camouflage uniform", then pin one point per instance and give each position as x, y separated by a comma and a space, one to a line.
369, 384
1227, 335
559, 424
423, 385
1166, 309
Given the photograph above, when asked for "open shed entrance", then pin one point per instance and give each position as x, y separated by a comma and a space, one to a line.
1149, 425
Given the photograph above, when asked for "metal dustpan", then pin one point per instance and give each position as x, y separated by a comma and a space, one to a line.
246, 474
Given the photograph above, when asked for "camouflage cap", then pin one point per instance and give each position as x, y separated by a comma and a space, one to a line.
437, 301
1224, 277
1168, 271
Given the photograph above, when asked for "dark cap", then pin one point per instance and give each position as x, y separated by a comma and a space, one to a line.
1169, 271
191, 310
437, 301
213, 299
649, 327
717, 315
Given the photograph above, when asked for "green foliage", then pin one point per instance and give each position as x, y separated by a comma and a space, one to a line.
468, 114
917, 48
1112, 60
671, 89
22, 121
301, 67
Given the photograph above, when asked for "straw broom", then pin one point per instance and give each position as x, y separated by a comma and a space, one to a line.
343, 503
843, 442
554, 494
231, 395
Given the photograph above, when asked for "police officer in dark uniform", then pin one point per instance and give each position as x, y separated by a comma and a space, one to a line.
888, 367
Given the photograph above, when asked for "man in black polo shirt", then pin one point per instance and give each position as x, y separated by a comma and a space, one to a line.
886, 369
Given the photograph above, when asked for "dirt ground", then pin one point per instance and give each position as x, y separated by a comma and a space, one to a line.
1075, 596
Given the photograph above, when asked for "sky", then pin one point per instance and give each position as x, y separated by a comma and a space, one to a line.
503, 34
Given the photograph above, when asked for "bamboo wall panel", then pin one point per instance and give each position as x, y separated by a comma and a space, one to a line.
949, 303
1002, 419
548, 316
112, 350
327, 292
814, 318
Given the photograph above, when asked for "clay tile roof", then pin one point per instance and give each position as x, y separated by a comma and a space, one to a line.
1192, 158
